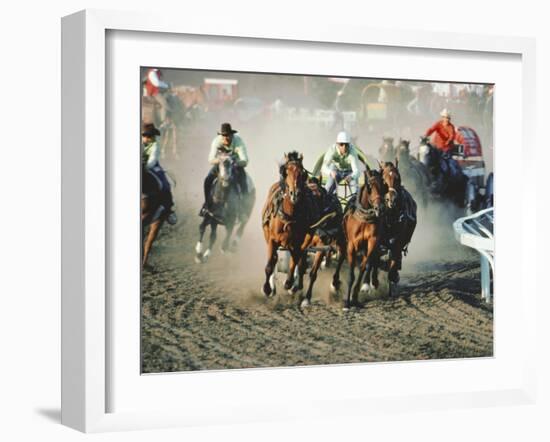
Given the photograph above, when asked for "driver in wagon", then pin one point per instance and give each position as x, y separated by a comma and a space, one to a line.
443, 133
227, 141
341, 162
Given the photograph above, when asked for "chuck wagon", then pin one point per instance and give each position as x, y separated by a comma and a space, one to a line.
469, 155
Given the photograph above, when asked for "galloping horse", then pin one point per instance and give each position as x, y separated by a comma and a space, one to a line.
414, 174
284, 222
227, 209
400, 217
447, 178
386, 152
363, 228
153, 212
323, 237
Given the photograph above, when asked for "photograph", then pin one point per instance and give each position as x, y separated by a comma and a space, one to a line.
294, 220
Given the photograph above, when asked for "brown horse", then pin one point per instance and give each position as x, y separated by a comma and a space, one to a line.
363, 228
153, 214
400, 217
284, 222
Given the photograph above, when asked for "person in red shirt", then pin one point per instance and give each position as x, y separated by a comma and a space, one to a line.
443, 132
156, 87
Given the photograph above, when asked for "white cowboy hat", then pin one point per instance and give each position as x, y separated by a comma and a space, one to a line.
445, 113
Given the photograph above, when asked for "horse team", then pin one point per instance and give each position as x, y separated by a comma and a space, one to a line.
379, 221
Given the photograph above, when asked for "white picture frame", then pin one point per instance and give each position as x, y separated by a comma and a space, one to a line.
85, 201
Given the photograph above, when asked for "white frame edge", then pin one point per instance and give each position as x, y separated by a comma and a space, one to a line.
84, 199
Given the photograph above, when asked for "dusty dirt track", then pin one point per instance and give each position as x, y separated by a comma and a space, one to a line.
212, 316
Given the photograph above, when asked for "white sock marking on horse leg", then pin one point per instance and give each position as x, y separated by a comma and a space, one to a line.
198, 248
365, 288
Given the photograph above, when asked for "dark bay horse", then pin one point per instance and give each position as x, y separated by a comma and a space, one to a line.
284, 222
153, 213
363, 228
400, 217
324, 237
414, 175
447, 179
228, 209
387, 151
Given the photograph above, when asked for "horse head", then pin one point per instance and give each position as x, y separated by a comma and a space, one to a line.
392, 183
294, 176
403, 150
428, 154
374, 196
386, 150
226, 166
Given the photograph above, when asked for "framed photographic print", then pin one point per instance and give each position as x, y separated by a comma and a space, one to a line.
263, 224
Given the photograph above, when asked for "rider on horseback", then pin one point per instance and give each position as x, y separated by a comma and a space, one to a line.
341, 162
227, 141
150, 162
157, 88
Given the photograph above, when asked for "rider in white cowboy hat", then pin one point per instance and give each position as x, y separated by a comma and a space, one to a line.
341, 162
443, 132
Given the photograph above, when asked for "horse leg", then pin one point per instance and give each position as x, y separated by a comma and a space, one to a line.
228, 233
313, 276
198, 246
302, 266
335, 285
393, 272
294, 261
269, 286
213, 237
362, 271
154, 230
351, 278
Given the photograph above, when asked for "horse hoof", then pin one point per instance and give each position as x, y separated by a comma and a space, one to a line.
198, 259
206, 255
364, 288
305, 303
266, 290
288, 284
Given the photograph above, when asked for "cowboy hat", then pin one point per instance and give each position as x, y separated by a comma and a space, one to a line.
226, 129
445, 113
150, 130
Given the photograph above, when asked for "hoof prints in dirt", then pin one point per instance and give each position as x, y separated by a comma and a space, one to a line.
195, 318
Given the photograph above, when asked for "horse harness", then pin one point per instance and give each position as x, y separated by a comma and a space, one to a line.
364, 214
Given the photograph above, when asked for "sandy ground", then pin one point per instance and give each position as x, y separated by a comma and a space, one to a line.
212, 316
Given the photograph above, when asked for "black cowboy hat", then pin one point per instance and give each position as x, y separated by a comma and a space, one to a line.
226, 129
150, 130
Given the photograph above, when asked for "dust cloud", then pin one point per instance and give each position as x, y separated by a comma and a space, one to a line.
268, 135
